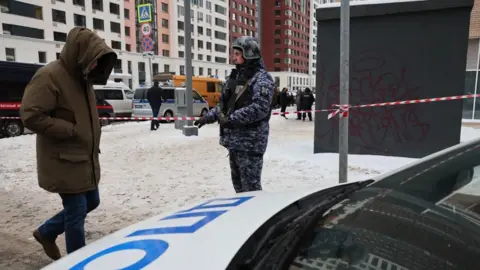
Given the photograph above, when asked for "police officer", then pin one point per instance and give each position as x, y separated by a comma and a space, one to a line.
243, 114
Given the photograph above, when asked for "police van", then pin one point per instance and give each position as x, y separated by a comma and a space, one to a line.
141, 107
423, 216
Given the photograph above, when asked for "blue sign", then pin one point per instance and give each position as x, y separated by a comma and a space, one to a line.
155, 248
144, 13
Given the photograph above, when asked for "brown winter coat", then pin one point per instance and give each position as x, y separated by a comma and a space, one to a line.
59, 105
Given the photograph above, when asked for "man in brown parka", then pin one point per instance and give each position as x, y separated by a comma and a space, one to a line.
59, 105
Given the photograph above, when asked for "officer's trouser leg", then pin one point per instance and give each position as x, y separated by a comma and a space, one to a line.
235, 172
249, 166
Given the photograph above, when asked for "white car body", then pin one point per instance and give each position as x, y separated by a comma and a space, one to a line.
141, 106
218, 229
119, 95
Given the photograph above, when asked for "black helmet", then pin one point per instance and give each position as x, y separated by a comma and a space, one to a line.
249, 46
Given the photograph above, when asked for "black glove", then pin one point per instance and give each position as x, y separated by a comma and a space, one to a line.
200, 122
223, 121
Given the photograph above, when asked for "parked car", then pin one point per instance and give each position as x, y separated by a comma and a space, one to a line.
423, 216
117, 94
141, 107
14, 77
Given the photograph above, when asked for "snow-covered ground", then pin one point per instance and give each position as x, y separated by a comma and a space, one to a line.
145, 173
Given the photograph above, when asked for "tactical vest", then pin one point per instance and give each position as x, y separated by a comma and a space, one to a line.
241, 97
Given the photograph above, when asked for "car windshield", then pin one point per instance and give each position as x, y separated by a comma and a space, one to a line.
430, 220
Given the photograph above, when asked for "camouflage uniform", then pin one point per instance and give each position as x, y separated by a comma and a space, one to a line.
245, 128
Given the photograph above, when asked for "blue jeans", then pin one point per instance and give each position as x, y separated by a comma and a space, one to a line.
71, 219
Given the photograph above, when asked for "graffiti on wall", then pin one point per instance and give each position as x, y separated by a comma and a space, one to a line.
375, 77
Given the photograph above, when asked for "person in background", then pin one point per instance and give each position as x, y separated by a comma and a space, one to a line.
244, 113
59, 105
307, 101
154, 97
283, 101
298, 102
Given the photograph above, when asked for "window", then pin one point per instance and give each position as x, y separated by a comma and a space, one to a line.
114, 8
168, 93
140, 93
165, 38
155, 68
220, 22
182, 70
127, 31
117, 45
98, 24
165, 23
181, 54
210, 86
220, 9
10, 53
128, 94
97, 4
59, 16
57, 55
196, 96
220, 48
220, 35
166, 68
42, 57
79, 3
128, 47
112, 94
165, 7
200, 71
59, 36
166, 53
115, 27
219, 85
180, 25
79, 20
126, 13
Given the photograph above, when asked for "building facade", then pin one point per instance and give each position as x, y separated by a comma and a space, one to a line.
471, 107
286, 32
243, 20
35, 32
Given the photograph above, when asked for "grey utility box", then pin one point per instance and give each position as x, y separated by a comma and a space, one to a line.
398, 51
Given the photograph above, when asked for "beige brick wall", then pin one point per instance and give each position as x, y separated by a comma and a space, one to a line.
475, 20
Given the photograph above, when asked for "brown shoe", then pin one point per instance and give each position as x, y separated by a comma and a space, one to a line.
50, 248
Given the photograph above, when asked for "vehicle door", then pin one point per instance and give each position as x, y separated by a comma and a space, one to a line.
211, 94
114, 96
141, 107
168, 103
198, 103
128, 98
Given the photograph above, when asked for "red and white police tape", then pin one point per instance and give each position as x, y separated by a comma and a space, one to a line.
341, 110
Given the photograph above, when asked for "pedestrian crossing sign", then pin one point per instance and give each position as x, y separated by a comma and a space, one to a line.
144, 13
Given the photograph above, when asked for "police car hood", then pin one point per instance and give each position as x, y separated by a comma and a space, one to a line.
204, 236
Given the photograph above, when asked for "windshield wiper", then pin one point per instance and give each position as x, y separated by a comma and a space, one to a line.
279, 239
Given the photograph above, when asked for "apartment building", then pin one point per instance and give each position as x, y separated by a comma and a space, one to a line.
243, 19
209, 36
34, 31
286, 31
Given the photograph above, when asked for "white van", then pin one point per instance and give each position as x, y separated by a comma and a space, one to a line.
141, 107
119, 95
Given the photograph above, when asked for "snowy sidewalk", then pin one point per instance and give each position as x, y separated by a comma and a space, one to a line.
145, 173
